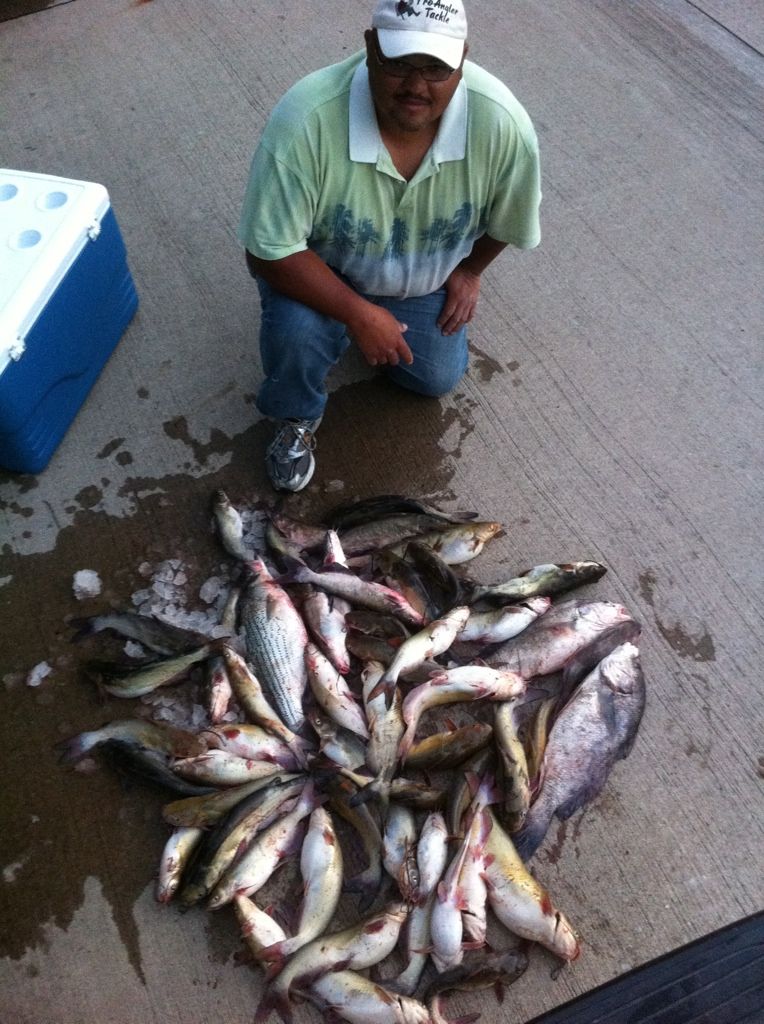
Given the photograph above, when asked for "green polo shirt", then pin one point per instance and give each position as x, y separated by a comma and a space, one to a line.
322, 179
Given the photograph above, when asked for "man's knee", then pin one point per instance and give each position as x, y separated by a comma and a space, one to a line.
433, 381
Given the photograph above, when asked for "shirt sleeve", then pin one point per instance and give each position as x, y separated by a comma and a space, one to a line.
279, 207
513, 216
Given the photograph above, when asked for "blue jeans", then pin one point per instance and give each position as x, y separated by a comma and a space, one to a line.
298, 348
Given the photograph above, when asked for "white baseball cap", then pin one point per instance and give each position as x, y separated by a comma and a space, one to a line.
435, 27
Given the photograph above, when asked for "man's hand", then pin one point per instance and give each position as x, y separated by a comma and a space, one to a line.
380, 337
462, 290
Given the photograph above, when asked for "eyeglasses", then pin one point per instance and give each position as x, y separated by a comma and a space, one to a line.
403, 68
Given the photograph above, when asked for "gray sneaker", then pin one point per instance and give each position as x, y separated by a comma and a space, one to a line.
289, 457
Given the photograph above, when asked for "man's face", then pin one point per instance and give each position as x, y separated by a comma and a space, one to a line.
409, 104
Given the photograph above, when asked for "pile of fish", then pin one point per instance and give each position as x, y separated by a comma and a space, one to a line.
326, 746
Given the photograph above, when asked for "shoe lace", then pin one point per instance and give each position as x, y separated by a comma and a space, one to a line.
292, 440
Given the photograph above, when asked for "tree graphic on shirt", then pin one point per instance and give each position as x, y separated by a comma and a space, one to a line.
340, 228
431, 238
344, 234
457, 227
365, 234
396, 244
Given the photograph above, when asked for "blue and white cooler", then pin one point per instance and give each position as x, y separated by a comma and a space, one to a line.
66, 297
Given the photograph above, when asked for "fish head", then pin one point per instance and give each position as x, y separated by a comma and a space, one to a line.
485, 531
566, 943
457, 617
601, 614
220, 500
259, 571
621, 669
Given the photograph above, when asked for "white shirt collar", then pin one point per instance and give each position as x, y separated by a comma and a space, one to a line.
366, 143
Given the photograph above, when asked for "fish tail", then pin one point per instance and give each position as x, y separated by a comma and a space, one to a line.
385, 686
74, 749
295, 570
85, 627
301, 749
377, 789
272, 1001
368, 885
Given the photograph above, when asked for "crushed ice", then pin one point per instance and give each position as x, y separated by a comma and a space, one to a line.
38, 673
86, 583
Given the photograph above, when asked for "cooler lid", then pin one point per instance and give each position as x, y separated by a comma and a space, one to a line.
45, 222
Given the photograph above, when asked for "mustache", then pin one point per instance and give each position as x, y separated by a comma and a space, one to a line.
403, 96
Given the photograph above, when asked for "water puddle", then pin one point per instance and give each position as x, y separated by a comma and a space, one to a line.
61, 828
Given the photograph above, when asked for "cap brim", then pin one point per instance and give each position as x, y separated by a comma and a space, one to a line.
401, 44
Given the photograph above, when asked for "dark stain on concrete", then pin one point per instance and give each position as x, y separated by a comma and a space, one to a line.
699, 647
112, 446
375, 439
142, 392
460, 413
553, 852
18, 510
124, 459
89, 496
513, 365
177, 429
484, 364
698, 749
647, 581
24, 482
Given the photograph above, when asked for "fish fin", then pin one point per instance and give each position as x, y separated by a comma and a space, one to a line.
405, 745
384, 996
374, 790
491, 791
268, 1003
384, 685
534, 693
488, 859
295, 570
461, 902
473, 782
272, 967
273, 955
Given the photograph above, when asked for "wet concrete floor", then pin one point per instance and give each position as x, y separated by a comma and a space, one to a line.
612, 411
